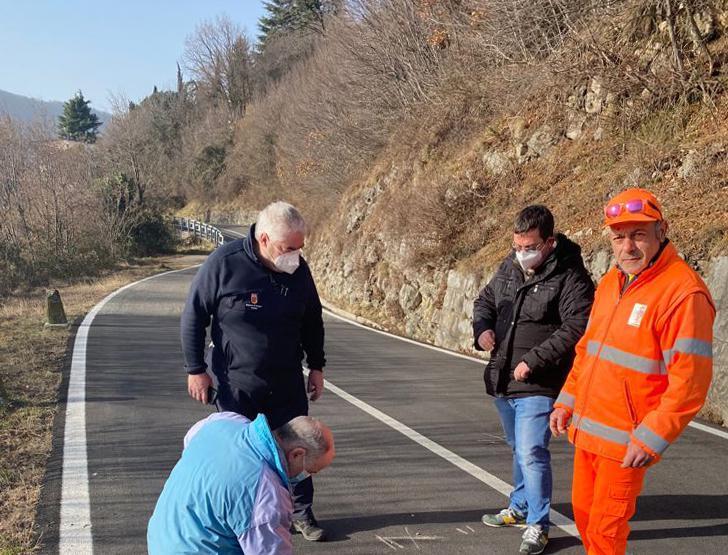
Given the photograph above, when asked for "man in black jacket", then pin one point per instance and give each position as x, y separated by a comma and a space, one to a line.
530, 317
261, 301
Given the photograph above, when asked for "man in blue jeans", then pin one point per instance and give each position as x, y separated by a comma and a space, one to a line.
530, 316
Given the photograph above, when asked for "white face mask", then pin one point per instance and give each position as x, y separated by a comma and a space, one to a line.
529, 259
288, 262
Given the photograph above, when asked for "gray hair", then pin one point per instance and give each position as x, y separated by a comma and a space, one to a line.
306, 432
278, 219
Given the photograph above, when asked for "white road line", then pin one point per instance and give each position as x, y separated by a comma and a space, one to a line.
75, 522
709, 429
405, 339
563, 522
697, 425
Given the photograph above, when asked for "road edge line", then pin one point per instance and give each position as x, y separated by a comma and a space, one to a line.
75, 529
561, 521
350, 319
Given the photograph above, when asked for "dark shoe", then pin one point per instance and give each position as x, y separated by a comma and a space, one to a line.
309, 529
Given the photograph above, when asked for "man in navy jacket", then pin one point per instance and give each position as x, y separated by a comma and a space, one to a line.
260, 299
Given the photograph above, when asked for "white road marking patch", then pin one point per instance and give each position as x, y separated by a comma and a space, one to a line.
389, 543
74, 534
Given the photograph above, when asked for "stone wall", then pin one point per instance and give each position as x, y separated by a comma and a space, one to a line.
435, 305
716, 408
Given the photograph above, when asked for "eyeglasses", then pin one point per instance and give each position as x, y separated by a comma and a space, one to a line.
529, 248
636, 206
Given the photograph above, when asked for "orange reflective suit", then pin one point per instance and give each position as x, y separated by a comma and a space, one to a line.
641, 373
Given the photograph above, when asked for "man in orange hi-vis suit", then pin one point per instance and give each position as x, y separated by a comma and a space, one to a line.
641, 372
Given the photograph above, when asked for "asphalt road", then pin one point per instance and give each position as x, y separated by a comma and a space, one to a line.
385, 492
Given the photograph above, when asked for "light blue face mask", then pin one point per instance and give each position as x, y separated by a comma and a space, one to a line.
301, 476
298, 478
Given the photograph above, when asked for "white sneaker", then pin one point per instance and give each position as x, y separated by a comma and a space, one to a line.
534, 540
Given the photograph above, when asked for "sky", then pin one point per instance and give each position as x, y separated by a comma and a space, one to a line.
49, 49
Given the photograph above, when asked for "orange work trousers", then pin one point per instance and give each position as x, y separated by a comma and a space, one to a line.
604, 497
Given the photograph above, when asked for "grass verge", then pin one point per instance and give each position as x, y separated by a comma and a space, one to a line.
31, 363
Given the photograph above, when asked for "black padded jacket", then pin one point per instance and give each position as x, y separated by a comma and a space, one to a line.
537, 319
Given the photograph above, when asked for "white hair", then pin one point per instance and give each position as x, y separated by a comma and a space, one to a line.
278, 219
306, 432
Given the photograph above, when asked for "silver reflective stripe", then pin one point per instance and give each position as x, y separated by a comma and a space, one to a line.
566, 399
601, 430
637, 363
689, 346
651, 439
593, 347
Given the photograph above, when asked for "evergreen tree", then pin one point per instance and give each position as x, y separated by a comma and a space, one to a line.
78, 123
292, 15
276, 20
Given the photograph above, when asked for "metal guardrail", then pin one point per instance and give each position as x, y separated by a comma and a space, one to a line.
200, 230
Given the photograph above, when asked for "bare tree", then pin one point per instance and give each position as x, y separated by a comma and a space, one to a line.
218, 57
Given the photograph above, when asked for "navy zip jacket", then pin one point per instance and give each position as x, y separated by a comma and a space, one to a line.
262, 321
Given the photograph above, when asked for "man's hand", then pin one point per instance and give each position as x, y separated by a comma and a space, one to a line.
197, 386
559, 421
315, 384
521, 372
636, 457
487, 340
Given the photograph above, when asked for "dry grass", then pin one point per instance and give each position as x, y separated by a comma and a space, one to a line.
31, 360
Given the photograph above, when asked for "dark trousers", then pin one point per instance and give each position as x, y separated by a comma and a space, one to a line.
278, 409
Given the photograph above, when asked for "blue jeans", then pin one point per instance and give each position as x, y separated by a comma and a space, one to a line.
526, 424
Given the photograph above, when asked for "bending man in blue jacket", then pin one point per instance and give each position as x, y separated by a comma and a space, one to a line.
229, 493
259, 297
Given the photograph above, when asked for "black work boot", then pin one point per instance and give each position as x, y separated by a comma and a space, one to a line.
309, 528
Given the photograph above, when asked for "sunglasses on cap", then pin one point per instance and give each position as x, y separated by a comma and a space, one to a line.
636, 206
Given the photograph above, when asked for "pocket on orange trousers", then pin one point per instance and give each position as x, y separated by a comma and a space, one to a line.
615, 510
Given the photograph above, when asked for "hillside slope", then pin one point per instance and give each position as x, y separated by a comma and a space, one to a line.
412, 242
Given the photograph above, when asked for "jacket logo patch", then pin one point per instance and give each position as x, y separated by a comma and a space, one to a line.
638, 312
253, 302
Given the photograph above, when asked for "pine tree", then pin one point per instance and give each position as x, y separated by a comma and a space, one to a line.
78, 123
276, 20
291, 15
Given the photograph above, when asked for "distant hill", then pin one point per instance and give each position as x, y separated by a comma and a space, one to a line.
28, 109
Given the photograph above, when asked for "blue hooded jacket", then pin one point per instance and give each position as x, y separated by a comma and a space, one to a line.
228, 493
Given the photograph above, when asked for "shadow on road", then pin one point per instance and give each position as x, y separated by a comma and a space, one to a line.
690, 508
691, 532
341, 528
682, 507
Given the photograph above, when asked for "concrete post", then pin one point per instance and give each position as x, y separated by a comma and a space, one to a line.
56, 316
